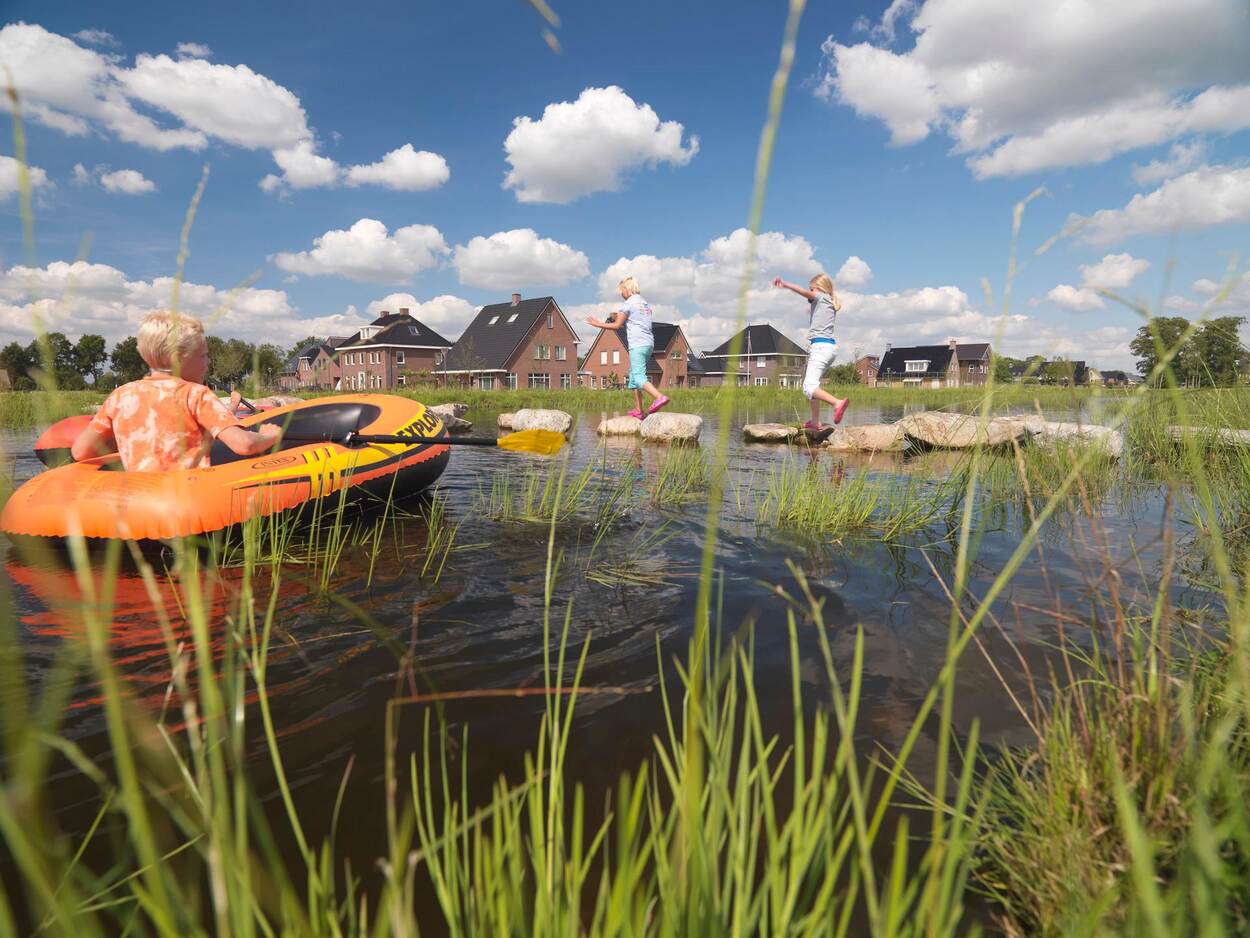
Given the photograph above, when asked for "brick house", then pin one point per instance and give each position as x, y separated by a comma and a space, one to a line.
974, 362
388, 351
520, 344
607, 362
766, 357
314, 367
866, 366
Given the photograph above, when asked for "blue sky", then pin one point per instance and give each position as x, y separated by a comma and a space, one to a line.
910, 131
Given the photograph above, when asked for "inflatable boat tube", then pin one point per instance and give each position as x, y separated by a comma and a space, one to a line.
97, 498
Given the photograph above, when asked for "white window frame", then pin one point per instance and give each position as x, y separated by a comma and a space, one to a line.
401, 380
908, 366
566, 381
513, 317
761, 382
493, 320
561, 353
511, 379
542, 353
603, 357
486, 382
551, 319
399, 357
541, 380
603, 382
760, 361
616, 356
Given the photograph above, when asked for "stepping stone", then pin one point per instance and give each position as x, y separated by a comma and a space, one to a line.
533, 418
1051, 431
456, 424
668, 427
1224, 435
449, 410
940, 430
619, 426
504, 421
868, 438
769, 432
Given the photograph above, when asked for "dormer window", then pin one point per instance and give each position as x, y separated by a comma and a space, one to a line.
917, 366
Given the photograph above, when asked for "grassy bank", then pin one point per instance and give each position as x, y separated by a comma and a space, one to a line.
22, 409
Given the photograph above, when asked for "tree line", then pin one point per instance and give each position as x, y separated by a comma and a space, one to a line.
75, 366
1211, 355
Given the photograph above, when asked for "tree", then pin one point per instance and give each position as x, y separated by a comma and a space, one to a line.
301, 345
267, 362
128, 365
90, 356
1000, 367
845, 373
16, 360
1215, 355
229, 361
1161, 335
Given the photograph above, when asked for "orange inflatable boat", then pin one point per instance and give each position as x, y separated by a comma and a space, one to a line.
326, 449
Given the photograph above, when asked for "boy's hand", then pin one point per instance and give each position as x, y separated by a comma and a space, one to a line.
271, 432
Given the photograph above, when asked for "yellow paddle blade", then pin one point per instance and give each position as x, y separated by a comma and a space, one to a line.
543, 442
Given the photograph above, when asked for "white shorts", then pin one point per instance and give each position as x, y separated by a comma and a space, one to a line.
819, 358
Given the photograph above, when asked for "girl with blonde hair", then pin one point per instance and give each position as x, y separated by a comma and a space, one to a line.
822, 346
634, 317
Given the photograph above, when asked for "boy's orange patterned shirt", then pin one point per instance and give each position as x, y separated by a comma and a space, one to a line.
163, 423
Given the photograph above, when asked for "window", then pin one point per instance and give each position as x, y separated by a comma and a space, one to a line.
551, 319
539, 381
742, 381
349, 359
401, 380
360, 380
603, 357
566, 381
561, 353
511, 380
399, 358
486, 382
616, 356
493, 320
760, 362
761, 382
918, 366
512, 318
542, 352
603, 381
675, 354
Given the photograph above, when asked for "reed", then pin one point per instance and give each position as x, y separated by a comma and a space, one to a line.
20, 409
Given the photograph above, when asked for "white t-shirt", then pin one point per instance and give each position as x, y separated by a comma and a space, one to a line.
637, 313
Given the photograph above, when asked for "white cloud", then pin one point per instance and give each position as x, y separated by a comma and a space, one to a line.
78, 90
1209, 195
97, 37
367, 252
447, 314
509, 260
1079, 299
854, 271
82, 176
1052, 83
129, 181
193, 50
81, 297
9, 177
404, 169
589, 145
1181, 157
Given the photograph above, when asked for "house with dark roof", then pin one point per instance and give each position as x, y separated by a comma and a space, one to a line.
936, 366
867, 366
314, 367
391, 352
607, 362
765, 357
522, 343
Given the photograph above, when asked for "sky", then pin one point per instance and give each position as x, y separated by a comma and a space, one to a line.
369, 156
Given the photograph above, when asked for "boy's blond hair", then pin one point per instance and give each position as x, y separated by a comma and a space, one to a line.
166, 338
824, 284
630, 286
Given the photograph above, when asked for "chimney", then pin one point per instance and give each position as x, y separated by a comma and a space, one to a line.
403, 311
951, 343
888, 346
516, 298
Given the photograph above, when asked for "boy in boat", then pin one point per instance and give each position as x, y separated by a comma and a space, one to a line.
169, 419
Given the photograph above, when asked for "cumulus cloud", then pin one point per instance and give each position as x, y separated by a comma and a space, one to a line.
164, 103
854, 271
193, 50
10, 177
1209, 195
97, 37
589, 145
1181, 157
405, 169
1113, 272
128, 181
81, 297
368, 252
1023, 88
447, 314
509, 260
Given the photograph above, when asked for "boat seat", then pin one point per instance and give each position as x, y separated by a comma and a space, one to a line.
330, 421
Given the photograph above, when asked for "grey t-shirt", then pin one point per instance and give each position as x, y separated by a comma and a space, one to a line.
638, 322
822, 317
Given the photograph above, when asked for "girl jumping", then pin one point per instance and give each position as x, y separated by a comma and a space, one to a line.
822, 347
634, 317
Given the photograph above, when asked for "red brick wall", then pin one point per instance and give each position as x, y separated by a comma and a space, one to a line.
557, 334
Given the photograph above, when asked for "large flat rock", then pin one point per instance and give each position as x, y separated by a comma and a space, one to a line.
619, 426
456, 424
1059, 432
449, 410
1222, 435
867, 438
533, 418
940, 430
504, 421
769, 432
667, 427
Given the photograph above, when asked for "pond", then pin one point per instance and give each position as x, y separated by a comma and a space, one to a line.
473, 617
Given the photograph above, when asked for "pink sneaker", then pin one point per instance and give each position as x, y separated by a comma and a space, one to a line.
659, 402
816, 427
636, 413
840, 410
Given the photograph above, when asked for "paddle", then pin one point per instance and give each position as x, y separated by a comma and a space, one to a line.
542, 442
